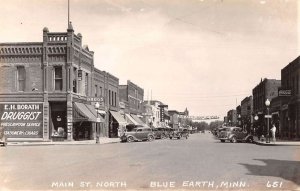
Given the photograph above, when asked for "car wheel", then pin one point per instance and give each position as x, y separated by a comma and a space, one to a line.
233, 140
250, 140
150, 138
130, 139
223, 141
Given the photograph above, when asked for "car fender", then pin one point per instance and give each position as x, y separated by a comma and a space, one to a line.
248, 137
231, 135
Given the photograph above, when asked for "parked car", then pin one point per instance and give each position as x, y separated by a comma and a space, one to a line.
235, 134
139, 133
159, 133
2, 137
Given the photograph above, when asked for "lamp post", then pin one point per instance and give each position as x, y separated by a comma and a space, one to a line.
97, 105
239, 120
268, 135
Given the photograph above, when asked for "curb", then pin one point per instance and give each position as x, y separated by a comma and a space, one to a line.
56, 144
273, 144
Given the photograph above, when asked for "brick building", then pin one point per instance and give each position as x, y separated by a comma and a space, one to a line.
246, 113
266, 89
47, 88
232, 117
290, 109
132, 95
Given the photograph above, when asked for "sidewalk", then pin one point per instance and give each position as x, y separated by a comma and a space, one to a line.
277, 143
103, 140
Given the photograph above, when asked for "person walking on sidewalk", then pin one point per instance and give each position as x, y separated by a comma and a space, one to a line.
273, 130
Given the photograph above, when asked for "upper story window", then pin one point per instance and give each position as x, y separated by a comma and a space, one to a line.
75, 80
58, 78
86, 85
21, 78
96, 91
101, 91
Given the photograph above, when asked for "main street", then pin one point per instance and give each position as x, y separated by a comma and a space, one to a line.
198, 163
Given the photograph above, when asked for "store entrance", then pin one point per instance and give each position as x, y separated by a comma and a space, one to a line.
58, 119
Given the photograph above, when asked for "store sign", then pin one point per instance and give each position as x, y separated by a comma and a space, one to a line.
283, 93
95, 99
22, 120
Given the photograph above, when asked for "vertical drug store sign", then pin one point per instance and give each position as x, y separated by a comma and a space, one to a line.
22, 120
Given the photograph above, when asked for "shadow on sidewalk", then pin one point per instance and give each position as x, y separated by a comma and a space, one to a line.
288, 170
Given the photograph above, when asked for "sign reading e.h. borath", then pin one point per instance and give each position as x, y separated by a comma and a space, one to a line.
22, 120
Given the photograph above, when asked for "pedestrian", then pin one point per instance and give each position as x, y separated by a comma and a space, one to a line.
273, 130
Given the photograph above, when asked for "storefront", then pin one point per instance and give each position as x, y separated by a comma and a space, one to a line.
23, 120
117, 124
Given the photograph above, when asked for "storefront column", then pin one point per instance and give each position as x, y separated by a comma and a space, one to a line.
46, 120
69, 120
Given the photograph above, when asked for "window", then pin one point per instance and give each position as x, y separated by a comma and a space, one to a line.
86, 84
115, 98
75, 80
21, 78
112, 98
109, 100
96, 90
58, 78
101, 91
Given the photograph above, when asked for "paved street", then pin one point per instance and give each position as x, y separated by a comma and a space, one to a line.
198, 163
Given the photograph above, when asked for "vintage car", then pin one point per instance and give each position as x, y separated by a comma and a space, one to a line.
235, 134
179, 133
159, 133
139, 133
2, 137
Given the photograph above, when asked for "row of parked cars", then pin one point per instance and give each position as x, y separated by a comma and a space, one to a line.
232, 134
143, 133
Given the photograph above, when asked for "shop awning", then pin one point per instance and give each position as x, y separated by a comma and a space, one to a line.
137, 119
118, 117
94, 112
130, 120
83, 112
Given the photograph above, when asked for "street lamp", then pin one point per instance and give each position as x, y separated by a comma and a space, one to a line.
239, 119
268, 135
97, 105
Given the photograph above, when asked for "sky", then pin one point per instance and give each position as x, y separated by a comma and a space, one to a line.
204, 55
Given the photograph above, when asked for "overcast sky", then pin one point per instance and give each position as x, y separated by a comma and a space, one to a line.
206, 55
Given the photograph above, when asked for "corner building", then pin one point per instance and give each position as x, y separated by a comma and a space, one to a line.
47, 90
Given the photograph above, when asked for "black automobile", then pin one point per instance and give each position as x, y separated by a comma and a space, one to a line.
140, 133
179, 133
235, 134
159, 133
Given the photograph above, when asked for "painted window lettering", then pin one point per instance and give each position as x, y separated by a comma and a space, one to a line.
20, 115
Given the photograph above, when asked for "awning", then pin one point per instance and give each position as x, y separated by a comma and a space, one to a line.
83, 112
118, 117
94, 112
137, 119
130, 120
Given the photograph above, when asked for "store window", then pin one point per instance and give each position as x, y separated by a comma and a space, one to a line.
21, 78
58, 78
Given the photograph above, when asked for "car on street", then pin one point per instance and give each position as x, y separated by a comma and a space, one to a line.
235, 134
140, 133
159, 133
176, 133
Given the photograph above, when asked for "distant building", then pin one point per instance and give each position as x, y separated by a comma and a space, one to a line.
266, 89
246, 113
232, 117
